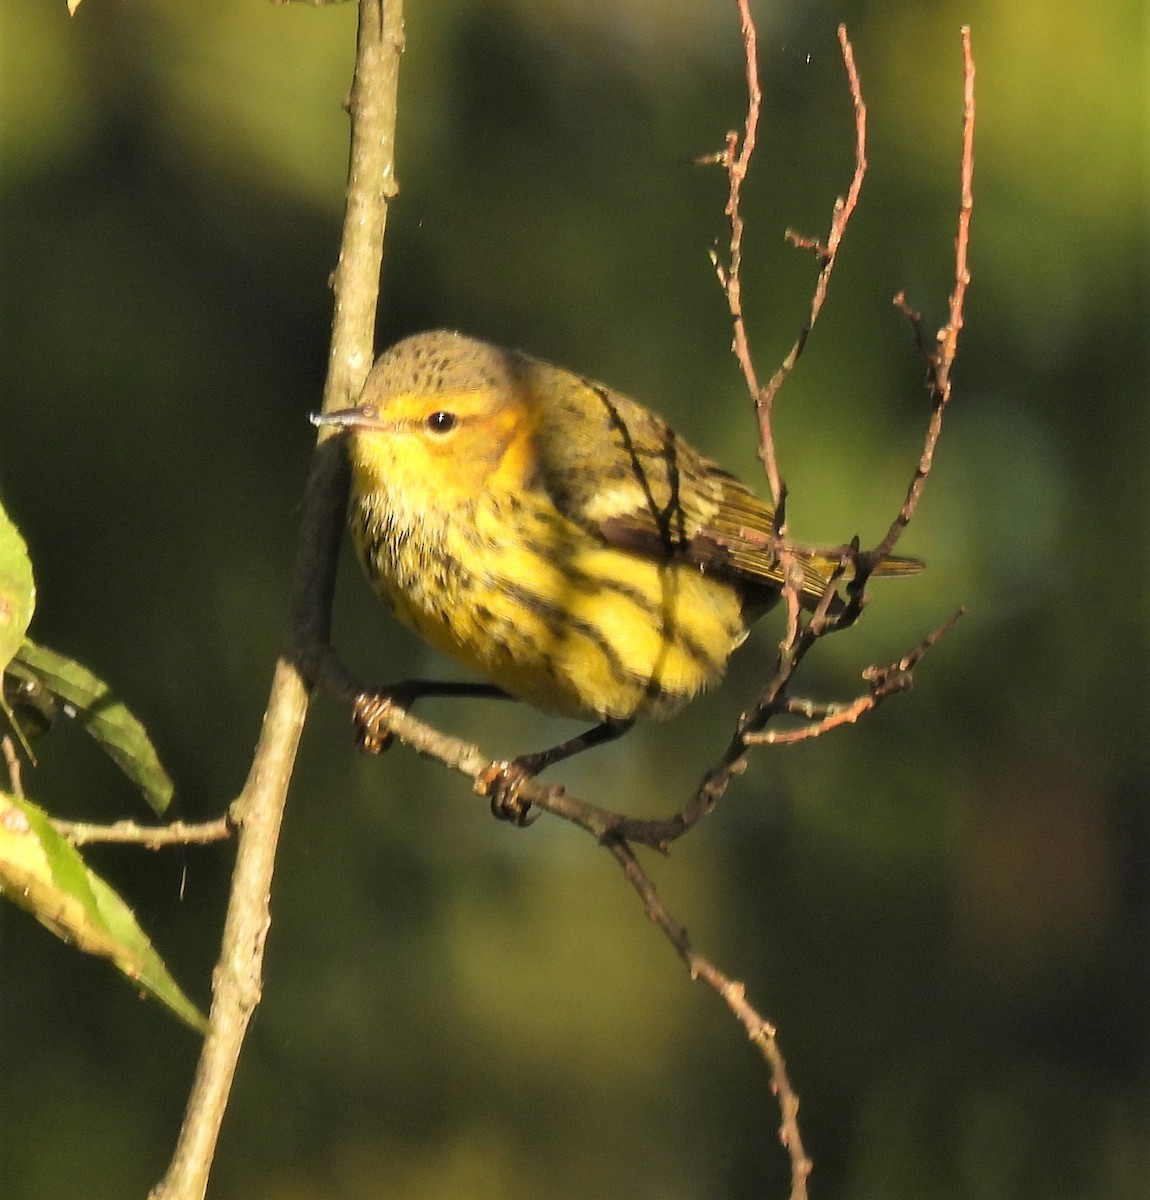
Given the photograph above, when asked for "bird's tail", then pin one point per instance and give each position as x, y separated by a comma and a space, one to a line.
898, 564
818, 568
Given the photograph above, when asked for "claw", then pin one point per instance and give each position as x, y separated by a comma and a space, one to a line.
367, 715
501, 782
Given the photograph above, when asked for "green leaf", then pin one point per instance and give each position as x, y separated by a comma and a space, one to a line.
45, 874
104, 716
17, 589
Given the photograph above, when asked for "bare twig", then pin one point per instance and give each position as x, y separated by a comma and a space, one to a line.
760, 1031
941, 359
799, 637
796, 642
608, 825
258, 812
736, 158
729, 274
827, 252
884, 682
149, 837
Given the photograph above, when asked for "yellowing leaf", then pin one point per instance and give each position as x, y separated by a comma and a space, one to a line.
45, 874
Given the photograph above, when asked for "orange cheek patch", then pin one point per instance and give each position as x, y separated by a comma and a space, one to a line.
512, 446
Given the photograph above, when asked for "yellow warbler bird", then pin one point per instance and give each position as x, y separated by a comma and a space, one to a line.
555, 536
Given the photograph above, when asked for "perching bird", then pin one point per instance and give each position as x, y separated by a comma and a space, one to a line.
555, 536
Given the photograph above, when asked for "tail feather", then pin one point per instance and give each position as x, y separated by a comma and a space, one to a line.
894, 564
898, 564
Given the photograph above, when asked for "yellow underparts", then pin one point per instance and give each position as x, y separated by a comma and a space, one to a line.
554, 616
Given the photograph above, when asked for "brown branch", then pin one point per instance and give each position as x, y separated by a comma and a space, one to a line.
799, 637
149, 837
760, 1031
948, 336
884, 682
617, 831
608, 825
736, 158
469, 760
257, 814
941, 359
729, 276
827, 252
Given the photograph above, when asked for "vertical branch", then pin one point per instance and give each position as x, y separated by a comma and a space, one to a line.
798, 636
370, 186
258, 813
940, 360
736, 157
827, 253
948, 335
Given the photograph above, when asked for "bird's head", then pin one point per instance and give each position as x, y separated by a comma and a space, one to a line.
441, 416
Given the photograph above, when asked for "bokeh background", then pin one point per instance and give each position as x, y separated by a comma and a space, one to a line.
946, 909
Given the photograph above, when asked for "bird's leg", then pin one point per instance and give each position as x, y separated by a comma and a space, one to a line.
502, 780
371, 707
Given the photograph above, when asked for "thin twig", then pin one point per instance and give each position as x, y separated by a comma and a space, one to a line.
798, 637
149, 837
827, 251
736, 158
606, 824
941, 359
258, 813
760, 1031
469, 760
884, 682
729, 275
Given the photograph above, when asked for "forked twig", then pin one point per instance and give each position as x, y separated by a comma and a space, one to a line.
735, 157
774, 700
940, 360
827, 252
883, 681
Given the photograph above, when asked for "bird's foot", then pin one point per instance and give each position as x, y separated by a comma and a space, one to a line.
502, 782
369, 713
368, 716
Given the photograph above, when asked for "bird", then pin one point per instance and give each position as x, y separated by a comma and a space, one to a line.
556, 537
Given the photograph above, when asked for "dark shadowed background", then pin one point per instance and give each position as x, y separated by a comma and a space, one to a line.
945, 908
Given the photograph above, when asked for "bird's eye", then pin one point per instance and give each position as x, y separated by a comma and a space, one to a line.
441, 422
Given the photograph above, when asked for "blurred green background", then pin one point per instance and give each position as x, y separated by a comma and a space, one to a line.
946, 909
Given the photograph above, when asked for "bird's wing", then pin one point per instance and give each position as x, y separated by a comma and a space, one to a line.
727, 532
617, 469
